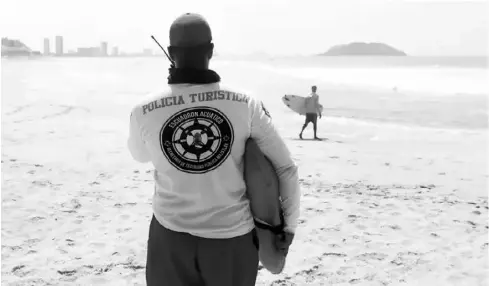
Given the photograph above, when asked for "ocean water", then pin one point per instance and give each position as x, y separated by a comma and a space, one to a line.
447, 93
435, 75
443, 93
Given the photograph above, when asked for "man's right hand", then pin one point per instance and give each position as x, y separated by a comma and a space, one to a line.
283, 241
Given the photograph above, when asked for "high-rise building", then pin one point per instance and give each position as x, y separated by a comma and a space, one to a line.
115, 51
47, 50
103, 49
59, 45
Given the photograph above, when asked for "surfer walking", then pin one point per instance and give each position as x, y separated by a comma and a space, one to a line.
312, 111
202, 231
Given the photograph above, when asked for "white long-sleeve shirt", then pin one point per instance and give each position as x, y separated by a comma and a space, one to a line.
195, 137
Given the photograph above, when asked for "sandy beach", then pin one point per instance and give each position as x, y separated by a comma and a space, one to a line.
396, 196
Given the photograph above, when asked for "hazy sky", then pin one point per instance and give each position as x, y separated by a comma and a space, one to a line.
274, 26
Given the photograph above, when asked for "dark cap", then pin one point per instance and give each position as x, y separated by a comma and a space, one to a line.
190, 30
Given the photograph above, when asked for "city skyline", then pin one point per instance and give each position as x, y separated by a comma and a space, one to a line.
101, 50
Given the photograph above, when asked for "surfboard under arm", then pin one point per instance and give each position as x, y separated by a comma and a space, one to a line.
297, 103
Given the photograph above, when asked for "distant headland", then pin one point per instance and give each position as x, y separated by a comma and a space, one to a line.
16, 48
363, 49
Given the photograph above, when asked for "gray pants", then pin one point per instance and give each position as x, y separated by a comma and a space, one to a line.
181, 259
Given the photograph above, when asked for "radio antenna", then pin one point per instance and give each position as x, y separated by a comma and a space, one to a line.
171, 61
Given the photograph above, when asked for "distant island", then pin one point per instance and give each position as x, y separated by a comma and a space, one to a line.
363, 49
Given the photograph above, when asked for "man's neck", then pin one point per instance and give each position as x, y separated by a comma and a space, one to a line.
193, 76
194, 65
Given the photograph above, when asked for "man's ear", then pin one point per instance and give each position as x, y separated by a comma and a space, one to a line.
171, 52
211, 50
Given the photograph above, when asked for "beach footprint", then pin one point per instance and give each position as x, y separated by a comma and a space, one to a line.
366, 257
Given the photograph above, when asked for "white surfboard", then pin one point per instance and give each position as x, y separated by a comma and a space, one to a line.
297, 103
262, 189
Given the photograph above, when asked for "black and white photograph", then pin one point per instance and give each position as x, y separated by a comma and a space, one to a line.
243, 143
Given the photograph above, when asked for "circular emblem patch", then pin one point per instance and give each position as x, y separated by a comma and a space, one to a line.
197, 140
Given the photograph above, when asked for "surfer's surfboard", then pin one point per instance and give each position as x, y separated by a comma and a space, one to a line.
262, 189
297, 103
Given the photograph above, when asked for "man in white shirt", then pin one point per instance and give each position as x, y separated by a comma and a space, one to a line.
312, 111
194, 133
